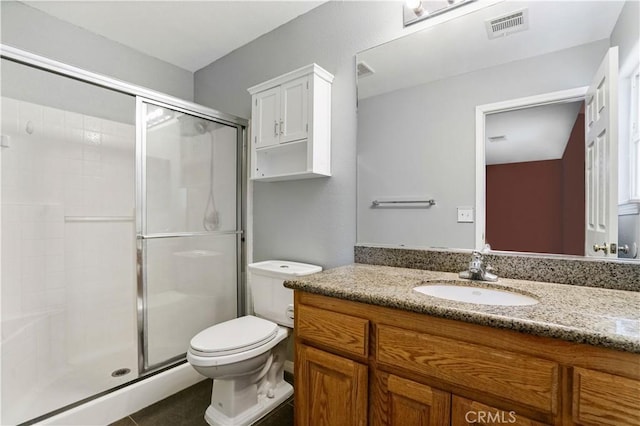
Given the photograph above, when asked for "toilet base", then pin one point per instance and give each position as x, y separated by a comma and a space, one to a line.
265, 405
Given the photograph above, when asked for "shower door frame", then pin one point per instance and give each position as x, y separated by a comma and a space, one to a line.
161, 99
141, 228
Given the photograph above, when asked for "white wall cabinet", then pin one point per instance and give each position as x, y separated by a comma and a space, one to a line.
291, 126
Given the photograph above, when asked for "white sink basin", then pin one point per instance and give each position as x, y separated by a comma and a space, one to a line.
478, 295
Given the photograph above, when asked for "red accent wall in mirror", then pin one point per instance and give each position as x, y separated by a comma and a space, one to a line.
573, 192
538, 206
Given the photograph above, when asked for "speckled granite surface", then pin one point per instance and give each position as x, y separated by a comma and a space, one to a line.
574, 271
596, 316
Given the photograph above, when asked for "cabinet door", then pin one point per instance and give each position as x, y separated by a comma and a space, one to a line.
471, 413
402, 402
330, 390
604, 399
266, 116
294, 110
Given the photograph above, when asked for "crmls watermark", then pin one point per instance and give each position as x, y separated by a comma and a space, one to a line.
490, 417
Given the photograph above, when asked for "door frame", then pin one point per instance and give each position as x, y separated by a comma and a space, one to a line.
569, 95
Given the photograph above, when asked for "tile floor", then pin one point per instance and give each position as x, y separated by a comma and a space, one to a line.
186, 408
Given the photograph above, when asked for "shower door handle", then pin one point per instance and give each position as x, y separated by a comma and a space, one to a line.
187, 234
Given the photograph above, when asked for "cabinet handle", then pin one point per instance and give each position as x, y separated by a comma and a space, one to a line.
281, 127
275, 128
604, 248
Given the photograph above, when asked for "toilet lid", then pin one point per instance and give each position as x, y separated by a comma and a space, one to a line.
234, 336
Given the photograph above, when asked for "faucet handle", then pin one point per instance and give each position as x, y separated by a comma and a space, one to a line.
486, 249
475, 265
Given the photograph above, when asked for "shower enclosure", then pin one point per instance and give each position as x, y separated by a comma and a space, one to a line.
121, 232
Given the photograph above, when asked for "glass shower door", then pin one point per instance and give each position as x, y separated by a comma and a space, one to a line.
68, 313
188, 228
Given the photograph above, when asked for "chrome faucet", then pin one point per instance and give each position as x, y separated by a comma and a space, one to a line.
477, 270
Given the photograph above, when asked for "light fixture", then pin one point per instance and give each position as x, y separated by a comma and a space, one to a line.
416, 10
158, 116
416, 7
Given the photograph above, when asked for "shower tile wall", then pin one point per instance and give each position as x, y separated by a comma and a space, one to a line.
68, 284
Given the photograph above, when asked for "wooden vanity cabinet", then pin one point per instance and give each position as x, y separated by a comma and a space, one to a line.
604, 399
465, 412
359, 364
400, 402
330, 389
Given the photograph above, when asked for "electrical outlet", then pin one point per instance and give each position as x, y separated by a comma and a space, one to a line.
465, 215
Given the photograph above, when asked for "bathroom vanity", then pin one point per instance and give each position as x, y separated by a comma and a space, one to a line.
371, 350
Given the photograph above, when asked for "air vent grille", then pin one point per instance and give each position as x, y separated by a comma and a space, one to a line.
508, 24
364, 70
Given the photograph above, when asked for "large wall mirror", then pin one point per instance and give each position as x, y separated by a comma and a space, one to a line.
525, 138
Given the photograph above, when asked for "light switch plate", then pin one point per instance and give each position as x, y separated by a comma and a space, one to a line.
465, 214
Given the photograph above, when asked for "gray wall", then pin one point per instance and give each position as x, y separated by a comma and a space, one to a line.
421, 141
626, 35
309, 220
34, 31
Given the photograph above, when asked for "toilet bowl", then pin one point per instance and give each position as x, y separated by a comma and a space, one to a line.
245, 356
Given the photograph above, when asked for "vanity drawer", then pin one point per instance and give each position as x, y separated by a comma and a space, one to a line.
466, 412
605, 399
510, 376
344, 333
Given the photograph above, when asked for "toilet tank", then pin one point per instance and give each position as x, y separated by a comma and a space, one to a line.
271, 299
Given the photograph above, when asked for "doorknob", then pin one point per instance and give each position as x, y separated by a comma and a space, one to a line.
604, 248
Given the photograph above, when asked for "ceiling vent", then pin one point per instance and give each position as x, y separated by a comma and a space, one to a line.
508, 24
364, 70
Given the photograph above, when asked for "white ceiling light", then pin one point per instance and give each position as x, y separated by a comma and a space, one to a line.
415, 10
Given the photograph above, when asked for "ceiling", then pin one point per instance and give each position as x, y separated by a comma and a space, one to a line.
531, 134
462, 45
188, 34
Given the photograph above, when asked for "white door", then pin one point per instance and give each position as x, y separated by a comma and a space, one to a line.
601, 155
295, 105
266, 112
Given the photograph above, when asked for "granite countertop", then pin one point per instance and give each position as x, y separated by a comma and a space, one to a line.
595, 316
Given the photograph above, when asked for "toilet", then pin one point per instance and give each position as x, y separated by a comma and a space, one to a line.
245, 356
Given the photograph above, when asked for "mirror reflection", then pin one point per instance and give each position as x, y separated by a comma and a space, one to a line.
535, 176
513, 135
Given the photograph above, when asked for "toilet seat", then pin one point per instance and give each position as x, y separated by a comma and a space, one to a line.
210, 360
235, 340
233, 336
